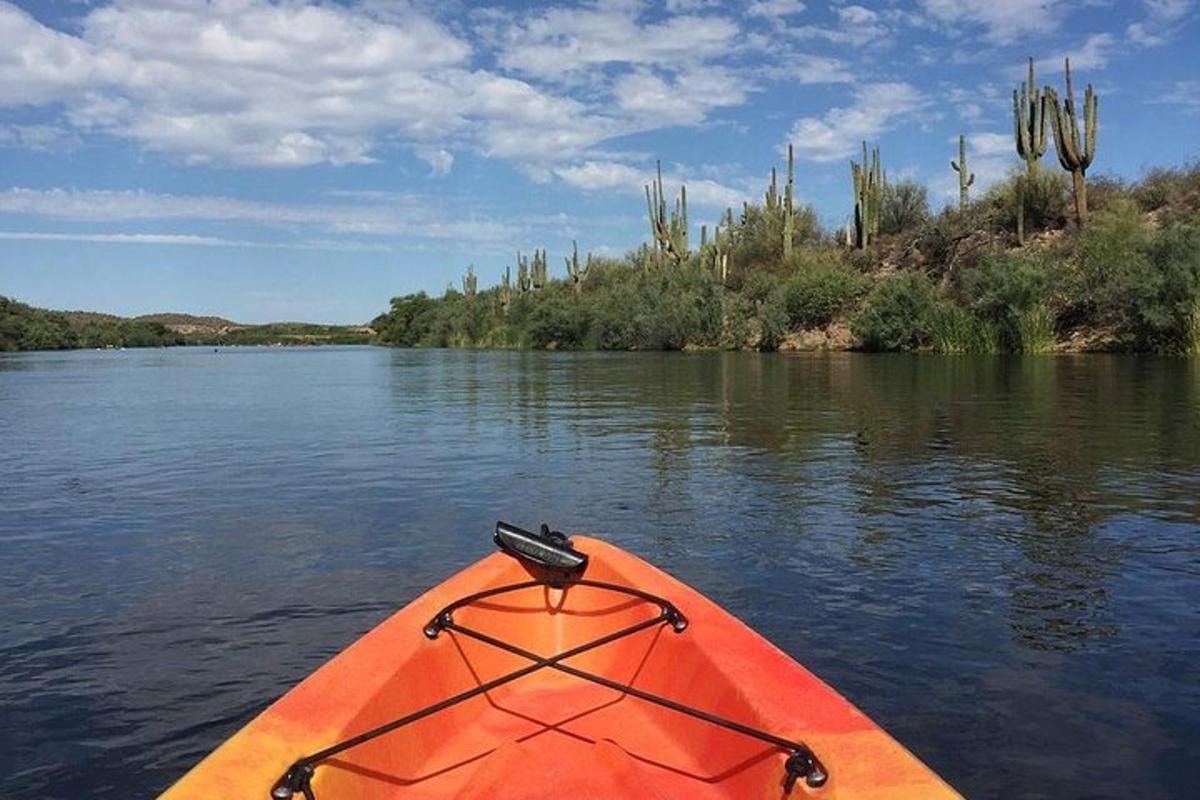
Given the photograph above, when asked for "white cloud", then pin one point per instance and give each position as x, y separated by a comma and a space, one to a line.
37, 64
566, 40
774, 9
245, 81
612, 175
596, 175
978, 102
684, 99
394, 215
857, 26
1162, 19
1092, 54
877, 108
676, 6
1002, 21
989, 144
1185, 94
290, 84
180, 239
804, 69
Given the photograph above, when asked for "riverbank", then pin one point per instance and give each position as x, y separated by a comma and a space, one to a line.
24, 327
965, 280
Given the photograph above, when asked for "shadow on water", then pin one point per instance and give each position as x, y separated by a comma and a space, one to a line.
997, 558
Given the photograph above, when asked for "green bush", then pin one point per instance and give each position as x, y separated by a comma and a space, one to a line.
758, 241
1164, 187
813, 298
905, 207
1110, 261
409, 321
1012, 293
1138, 283
1045, 195
1104, 191
662, 309
1167, 300
558, 320
897, 314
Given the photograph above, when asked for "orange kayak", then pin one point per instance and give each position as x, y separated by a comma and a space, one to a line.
572, 670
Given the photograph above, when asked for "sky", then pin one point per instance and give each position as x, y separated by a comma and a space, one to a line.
293, 160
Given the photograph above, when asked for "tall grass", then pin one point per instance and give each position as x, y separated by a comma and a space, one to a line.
1193, 344
956, 331
1035, 329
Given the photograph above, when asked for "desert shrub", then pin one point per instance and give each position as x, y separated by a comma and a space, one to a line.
758, 240
409, 321
1045, 195
558, 320
1013, 293
896, 315
949, 242
661, 309
758, 287
1104, 191
814, 297
1138, 283
1167, 300
1110, 259
1165, 187
742, 327
905, 207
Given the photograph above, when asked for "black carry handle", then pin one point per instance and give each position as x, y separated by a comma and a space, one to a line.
548, 549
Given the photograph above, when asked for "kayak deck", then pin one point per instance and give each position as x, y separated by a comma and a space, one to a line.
550, 734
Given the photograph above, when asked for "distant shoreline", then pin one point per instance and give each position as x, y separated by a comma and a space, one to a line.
28, 328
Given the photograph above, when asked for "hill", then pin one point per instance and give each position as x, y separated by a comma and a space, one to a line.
25, 327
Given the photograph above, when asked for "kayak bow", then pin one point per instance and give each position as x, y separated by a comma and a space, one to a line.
573, 669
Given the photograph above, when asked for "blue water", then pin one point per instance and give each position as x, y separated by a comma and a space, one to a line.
996, 558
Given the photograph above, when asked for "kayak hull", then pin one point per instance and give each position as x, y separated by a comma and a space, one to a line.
550, 734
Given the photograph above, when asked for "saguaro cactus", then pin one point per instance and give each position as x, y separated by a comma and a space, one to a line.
868, 196
1029, 124
574, 271
539, 273
789, 207
670, 234
965, 177
1074, 154
469, 282
524, 280
722, 244
506, 289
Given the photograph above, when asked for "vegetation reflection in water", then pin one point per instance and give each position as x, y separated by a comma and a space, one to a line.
1052, 448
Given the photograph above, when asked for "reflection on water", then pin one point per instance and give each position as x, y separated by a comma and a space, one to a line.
998, 558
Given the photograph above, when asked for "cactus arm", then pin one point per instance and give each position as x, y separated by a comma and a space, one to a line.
1090, 122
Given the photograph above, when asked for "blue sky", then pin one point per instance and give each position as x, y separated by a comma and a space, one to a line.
300, 160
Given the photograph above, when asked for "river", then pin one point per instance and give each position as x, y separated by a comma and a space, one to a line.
997, 558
